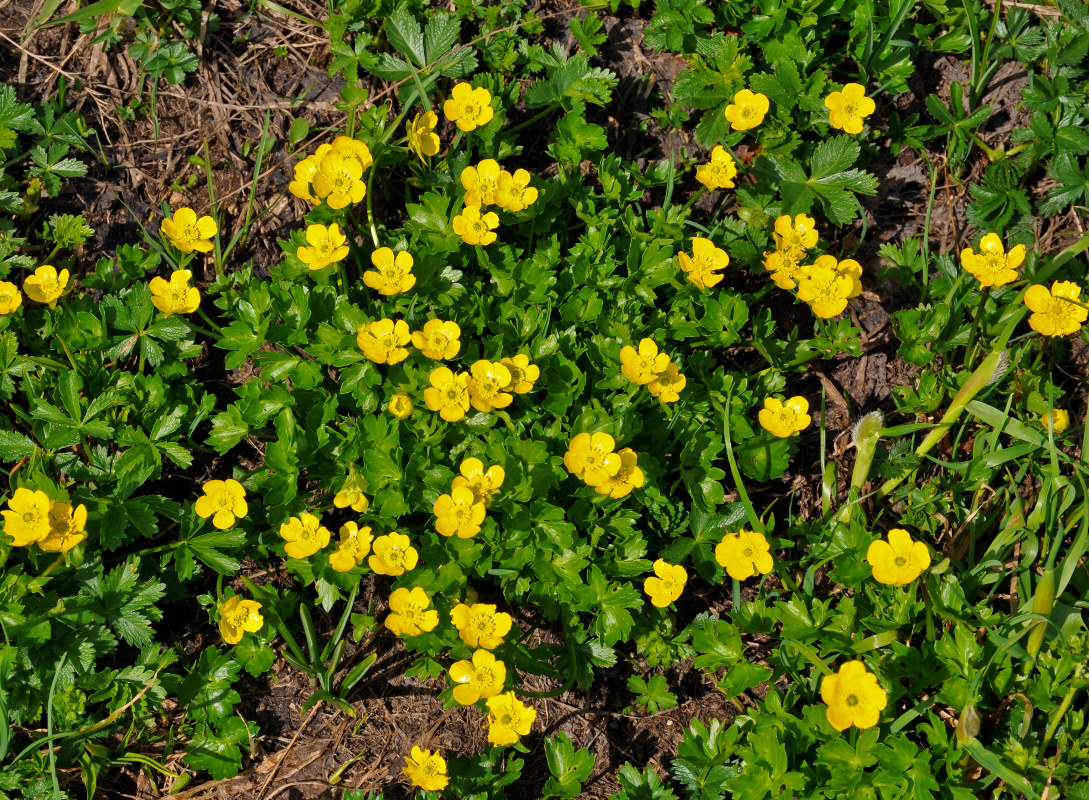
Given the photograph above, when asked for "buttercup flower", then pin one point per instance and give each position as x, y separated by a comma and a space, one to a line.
667, 583
1059, 419
515, 193
825, 290
483, 483
992, 265
703, 265
468, 108
327, 245
422, 139
26, 518
628, 477
667, 385
348, 147
508, 719
392, 555
848, 268
744, 554
848, 108
237, 616
46, 285
351, 494
853, 697
747, 110
481, 182
785, 419
448, 393
899, 560
458, 513
522, 374
475, 228
480, 625
390, 275
400, 405
384, 340
175, 296
355, 543
591, 457
484, 676
10, 298
338, 180
305, 535
640, 366
785, 267
719, 172
426, 770
66, 528
304, 174
410, 612
187, 233
438, 340
223, 501
486, 386
1054, 313
799, 233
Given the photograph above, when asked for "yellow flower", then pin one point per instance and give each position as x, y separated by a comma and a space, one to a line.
236, 616
46, 285
486, 386
848, 268
10, 297
351, 494
304, 174
853, 697
469, 108
785, 267
1054, 313
667, 385
355, 543
327, 245
187, 233
640, 366
703, 265
799, 233
384, 340
847, 109
899, 560
747, 110
392, 555
825, 289
591, 457
422, 139
26, 518
667, 583
785, 419
483, 483
426, 770
1059, 419
481, 183
744, 554
410, 612
438, 340
480, 625
400, 405
522, 373
448, 393
338, 180
353, 148
175, 296
484, 676
719, 172
223, 501
390, 275
515, 193
66, 528
475, 228
628, 477
508, 719
458, 513
305, 535
992, 265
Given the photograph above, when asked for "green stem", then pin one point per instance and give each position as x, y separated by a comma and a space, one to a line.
1060, 712
370, 196
933, 173
809, 653
976, 324
204, 316
544, 112
754, 520
67, 352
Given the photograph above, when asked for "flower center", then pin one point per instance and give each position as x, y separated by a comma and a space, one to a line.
30, 517
452, 394
486, 185
900, 561
485, 677
506, 720
851, 700
191, 233
395, 556
471, 110
748, 553
225, 501
850, 108
479, 227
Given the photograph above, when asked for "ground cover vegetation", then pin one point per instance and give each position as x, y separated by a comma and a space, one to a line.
564, 363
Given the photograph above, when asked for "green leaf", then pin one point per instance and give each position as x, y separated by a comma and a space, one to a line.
218, 751
406, 36
569, 767
440, 35
14, 446
717, 642
228, 429
645, 785
653, 694
741, 677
